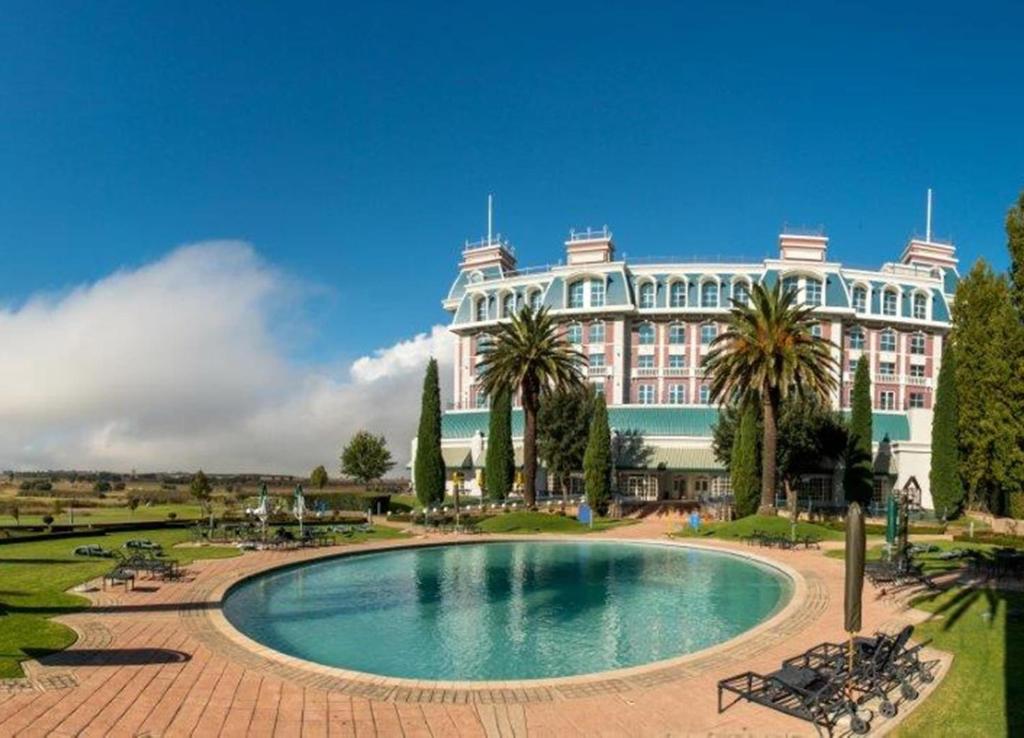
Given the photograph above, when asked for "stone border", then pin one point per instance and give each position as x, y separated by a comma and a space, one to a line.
808, 599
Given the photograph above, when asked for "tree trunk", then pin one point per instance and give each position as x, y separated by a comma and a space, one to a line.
529, 448
770, 405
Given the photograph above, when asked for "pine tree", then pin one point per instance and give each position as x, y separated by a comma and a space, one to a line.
428, 470
857, 477
944, 477
499, 469
987, 335
743, 469
597, 461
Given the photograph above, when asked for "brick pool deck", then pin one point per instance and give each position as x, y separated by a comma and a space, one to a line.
162, 661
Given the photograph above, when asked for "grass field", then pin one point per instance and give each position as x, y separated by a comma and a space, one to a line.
929, 563
34, 576
538, 522
984, 630
114, 514
746, 526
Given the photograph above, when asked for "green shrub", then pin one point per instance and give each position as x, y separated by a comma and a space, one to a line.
1017, 505
102, 486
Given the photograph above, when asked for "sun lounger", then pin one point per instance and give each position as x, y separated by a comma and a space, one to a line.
816, 696
119, 576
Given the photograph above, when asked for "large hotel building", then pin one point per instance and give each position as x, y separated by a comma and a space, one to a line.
646, 326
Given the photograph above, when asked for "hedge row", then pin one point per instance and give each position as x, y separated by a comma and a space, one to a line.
994, 539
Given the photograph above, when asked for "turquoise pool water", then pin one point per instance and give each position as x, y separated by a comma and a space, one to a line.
498, 611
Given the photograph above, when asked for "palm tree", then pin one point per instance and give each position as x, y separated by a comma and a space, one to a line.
767, 351
529, 355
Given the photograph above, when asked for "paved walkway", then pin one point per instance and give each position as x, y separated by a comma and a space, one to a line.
161, 661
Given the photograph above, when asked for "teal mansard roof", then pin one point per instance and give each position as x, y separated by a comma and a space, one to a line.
694, 422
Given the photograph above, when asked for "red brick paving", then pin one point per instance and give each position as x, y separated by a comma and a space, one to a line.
219, 690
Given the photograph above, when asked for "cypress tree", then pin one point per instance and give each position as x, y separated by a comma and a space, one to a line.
428, 471
944, 477
857, 477
987, 335
499, 467
1015, 245
743, 469
597, 460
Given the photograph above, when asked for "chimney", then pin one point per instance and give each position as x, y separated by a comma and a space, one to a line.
489, 252
795, 247
589, 247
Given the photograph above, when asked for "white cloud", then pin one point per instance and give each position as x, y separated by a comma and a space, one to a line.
175, 366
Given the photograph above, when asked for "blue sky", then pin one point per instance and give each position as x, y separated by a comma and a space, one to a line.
354, 145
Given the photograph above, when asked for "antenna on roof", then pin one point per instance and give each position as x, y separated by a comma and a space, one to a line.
928, 219
490, 216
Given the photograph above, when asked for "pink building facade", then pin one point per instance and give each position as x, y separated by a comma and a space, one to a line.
645, 328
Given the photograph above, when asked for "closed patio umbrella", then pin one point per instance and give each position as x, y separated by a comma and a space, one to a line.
299, 509
855, 543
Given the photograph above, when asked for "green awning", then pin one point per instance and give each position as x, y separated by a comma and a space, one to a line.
667, 457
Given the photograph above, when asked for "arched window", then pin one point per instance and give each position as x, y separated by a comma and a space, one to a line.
709, 294
508, 305
647, 295
889, 302
790, 284
534, 300
576, 294
857, 338
920, 306
741, 293
645, 334
481, 309
574, 333
677, 333
677, 294
860, 300
887, 340
812, 291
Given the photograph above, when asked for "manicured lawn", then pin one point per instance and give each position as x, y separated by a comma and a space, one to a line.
538, 522
34, 575
930, 564
984, 691
746, 526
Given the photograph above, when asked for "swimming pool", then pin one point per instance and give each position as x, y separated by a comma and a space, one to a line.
507, 610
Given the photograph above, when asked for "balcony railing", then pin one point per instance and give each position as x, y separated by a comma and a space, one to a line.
598, 371
645, 371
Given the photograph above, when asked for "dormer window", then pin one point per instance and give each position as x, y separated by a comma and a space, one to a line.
677, 295
508, 305
534, 299
920, 307
646, 295
889, 302
741, 293
709, 295
860, 300
481, 309
576, 294
812, 291
597, 293
791, 284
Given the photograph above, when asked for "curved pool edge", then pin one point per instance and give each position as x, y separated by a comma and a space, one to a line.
225, 628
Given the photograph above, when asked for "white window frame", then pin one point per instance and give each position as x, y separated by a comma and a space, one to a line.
709, 283
596, 332
574, 333
818, 291
680, 329
677, 394
677, 285
860, 305
886, 310
645, 394
648, 295
886, 333
887, 400
597, 293
572, 302
641, 332
714, 335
